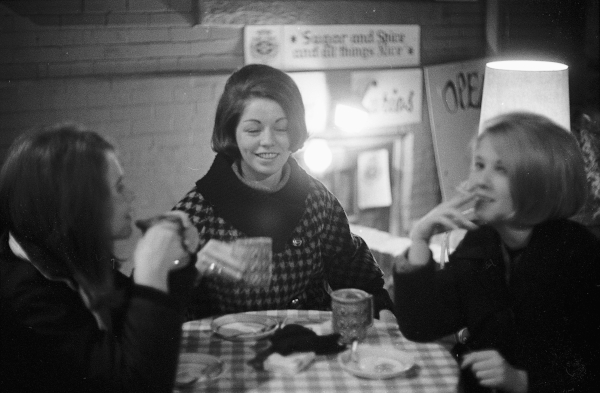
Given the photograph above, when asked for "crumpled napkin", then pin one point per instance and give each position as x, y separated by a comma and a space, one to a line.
296, 338
291, 364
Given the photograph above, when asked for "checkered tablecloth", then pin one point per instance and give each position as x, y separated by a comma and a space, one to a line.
435, 370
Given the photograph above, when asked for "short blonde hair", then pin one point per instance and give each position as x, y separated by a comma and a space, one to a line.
544, 163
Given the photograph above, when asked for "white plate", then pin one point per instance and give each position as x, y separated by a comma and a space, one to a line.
196, 368
244, 327
376, 362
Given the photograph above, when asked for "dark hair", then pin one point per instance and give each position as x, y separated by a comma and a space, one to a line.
54, 193
544, 163
257, 81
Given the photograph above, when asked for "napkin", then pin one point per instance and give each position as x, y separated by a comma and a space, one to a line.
291, 364
296, 338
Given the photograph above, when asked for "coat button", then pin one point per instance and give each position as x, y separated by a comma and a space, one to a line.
297, 242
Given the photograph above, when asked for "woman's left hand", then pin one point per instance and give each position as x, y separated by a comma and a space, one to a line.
493, 371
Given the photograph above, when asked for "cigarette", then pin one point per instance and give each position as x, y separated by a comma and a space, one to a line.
470, 210
463, 188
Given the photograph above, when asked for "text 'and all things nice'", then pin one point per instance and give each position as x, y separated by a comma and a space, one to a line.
359, 45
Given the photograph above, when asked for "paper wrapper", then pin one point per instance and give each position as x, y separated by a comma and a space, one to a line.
247, 260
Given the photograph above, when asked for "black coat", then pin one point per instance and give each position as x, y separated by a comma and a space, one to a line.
51, 342
546, 321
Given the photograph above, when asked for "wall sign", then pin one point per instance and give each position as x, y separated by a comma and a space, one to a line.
321, 47
454, 94
392, 98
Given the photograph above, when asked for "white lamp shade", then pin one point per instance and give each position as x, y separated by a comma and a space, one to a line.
530, 86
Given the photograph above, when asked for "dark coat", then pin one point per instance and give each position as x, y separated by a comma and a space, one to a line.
545, 321
313, 247
51, 342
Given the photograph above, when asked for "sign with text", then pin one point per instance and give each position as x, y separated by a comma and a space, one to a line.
321, 47
392, 98
454, 94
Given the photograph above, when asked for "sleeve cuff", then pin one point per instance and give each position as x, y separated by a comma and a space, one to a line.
155, 296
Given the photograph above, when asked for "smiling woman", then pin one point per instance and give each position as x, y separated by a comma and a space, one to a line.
256, 189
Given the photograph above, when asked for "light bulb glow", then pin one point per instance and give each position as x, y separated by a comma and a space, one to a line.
317, 155
349, 118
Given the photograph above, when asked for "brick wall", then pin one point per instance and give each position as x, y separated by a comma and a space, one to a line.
148, 73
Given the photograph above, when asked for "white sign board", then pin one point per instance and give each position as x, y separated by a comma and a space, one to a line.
454, 94
321, 47
391, 98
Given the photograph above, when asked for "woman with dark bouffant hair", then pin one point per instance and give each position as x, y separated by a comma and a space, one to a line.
255, 188
525, 280
70, 320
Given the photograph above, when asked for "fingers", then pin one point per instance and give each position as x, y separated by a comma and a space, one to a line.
182, 216
216, 258
449, 218
162, 244
462, 199
480, 359
489, 367
181, 263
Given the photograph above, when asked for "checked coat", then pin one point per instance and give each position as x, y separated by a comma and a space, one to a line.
313, 248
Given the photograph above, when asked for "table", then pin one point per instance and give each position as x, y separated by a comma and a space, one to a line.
435, 369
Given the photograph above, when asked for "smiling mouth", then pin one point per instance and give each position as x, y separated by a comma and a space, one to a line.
267, 155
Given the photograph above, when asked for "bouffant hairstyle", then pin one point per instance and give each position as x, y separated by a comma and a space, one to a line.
257, 81
544, 164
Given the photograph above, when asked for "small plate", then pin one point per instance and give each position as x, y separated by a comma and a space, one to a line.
196, 368
377, 362
244, 327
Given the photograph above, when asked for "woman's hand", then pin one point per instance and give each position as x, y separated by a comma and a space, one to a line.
157, 253
493, 371
387, 316
446, 216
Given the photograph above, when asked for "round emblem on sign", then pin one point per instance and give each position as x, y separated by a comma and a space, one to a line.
264, 46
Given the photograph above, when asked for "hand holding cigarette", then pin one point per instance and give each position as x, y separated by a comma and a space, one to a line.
447, 216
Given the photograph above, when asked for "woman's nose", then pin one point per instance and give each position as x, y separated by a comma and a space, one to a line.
267, 137
478, 179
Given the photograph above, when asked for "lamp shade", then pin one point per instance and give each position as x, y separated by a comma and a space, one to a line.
540, 87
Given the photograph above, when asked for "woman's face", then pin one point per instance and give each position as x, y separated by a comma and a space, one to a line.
490, 182
263, 140
120, 199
